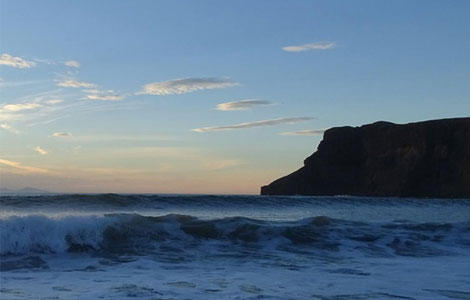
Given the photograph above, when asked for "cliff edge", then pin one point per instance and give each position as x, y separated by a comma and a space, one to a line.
423, 159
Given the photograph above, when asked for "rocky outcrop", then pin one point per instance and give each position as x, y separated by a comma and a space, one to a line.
423, 159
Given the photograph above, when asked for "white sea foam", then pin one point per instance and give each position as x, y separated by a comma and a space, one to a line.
235, 249
36, 233
207, 278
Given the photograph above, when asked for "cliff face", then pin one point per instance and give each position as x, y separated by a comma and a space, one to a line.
424, 159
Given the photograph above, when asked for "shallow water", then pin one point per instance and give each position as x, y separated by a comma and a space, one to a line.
233, 247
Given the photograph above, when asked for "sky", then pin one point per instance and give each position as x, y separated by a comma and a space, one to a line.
212, 97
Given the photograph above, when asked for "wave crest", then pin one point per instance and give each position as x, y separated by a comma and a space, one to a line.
136, 234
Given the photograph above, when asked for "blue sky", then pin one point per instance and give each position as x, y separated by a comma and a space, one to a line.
148, 96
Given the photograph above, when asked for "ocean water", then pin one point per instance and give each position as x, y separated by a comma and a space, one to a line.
233, 247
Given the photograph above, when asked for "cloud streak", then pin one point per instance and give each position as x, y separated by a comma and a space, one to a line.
185, 85
308, 132
54, 101
310, 46
15, 62
18, 107
11, 112
105, 97
62, 134
40, 150
109, 95
76, 84
31, 107
72, 63
7, 127
23, 169
253, 124
106, 138
241, 104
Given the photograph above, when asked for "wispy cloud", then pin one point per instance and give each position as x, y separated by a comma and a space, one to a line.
23, 169
253, 124
15, 62
62, 134
50, 106
241, 104
72, 63
308, 132
32, 107
11, 112
9, 84
185, 85
18, 107
108, 95
128, 139
9, 128
40, 150
105, 97
75, 84
54, 101
310, 46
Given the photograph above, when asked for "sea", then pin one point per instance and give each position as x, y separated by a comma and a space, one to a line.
114, 246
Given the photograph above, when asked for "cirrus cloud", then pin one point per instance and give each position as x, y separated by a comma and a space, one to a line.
185, 85
18, 107
75, 84
105, 97
308, 132
311, 46
242, 104
253, 124
9, 128
72, 63
108, 95
19, 167
31, 107
15, 62
62, 134
40, 150
54, 101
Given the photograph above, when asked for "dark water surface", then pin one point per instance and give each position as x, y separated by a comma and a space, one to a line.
233, 247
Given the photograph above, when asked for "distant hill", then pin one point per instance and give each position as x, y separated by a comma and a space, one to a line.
422, 159
27, 191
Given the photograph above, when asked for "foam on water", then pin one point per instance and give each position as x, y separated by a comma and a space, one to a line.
80, 277
41, 234
37, 234
126, 247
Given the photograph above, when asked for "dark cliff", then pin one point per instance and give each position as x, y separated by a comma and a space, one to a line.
423, 159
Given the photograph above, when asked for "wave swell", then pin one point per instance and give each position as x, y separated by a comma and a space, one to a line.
137, 234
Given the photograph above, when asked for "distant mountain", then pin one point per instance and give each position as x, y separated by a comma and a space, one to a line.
27, 191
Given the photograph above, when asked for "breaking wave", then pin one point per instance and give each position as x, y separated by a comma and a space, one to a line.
137, 234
